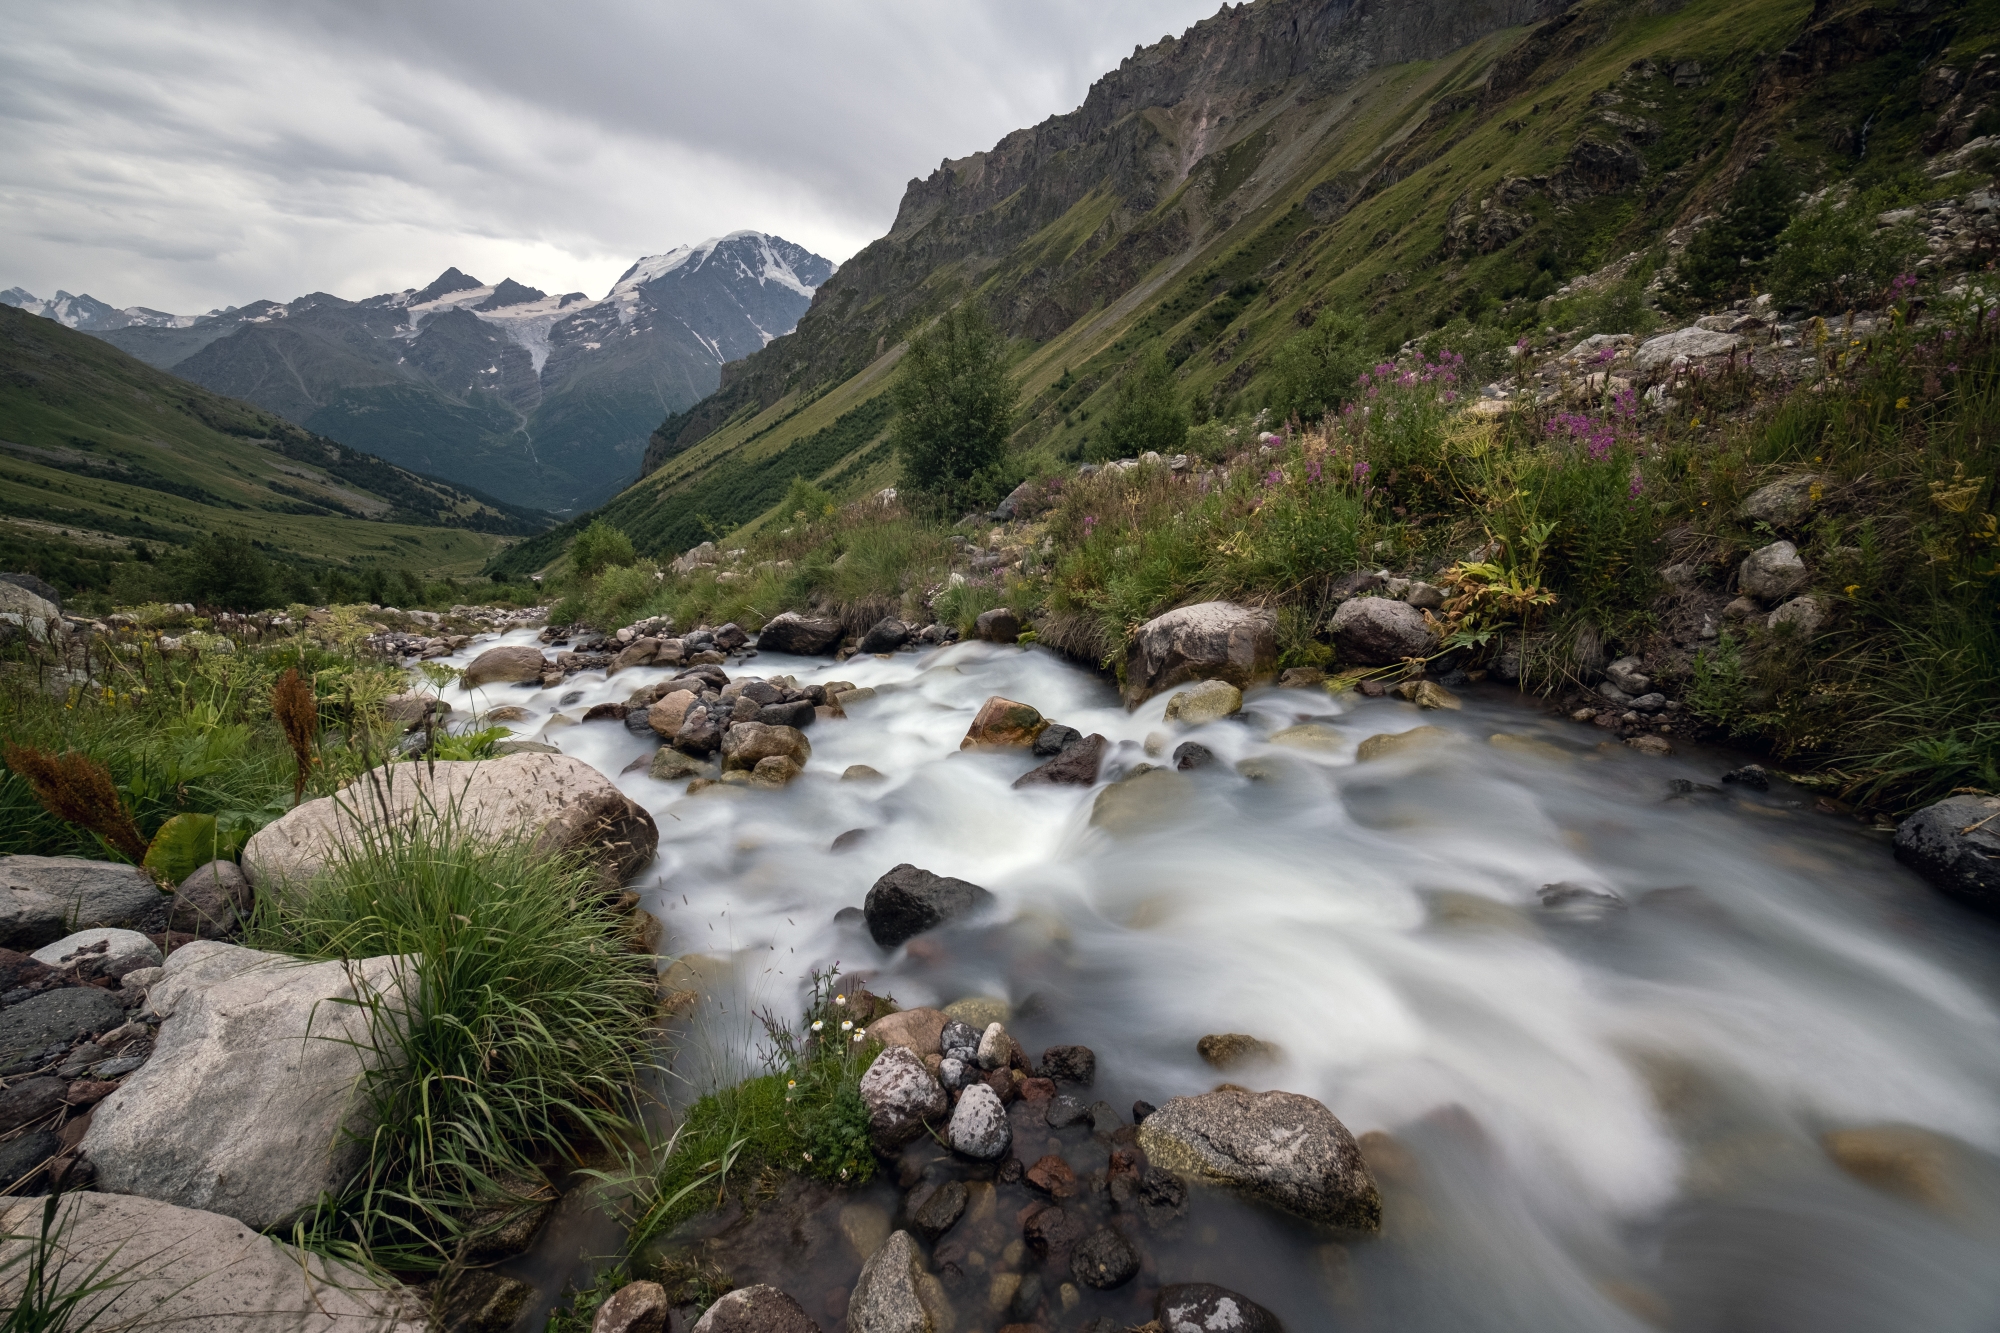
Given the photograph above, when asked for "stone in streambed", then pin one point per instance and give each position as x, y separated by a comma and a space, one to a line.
1208, 641
1228, 1050
1004, 723
1955, 844
1428, 694
1055, 738
515, 664
886, 1296
1070, 1064
1209, 701
1189, 755
1414, 741
636, 1307
1199, 1307
667, 714
907, 901
941, 1209
860, 773
1077, 765
1281, 1147
901, 1096
920, 1030
1310, 736
670, 765
758, 1309
978, 1126
885, 636
1141, 803
747, 744
995, 1046
997, 626
774, 771
1104, 1259
800, 636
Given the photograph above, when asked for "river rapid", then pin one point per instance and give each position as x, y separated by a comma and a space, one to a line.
1614, 1109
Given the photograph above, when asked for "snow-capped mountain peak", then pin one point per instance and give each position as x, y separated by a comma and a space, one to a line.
91, 315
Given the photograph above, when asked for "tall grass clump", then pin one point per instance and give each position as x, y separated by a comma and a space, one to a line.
515, 1041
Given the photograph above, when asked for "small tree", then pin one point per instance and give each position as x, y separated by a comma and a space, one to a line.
954, 410
804, 503
598, 547
1316, 370
228, 572
1146, 412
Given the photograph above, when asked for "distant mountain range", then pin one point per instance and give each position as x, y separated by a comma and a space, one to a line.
536, 399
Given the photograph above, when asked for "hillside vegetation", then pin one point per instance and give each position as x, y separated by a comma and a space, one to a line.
110, 469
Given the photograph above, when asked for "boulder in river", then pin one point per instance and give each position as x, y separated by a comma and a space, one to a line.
759, 1309
667, 713
908, 900
800, 636
563, 804
978, 1126
168, 1266
1208, 641
1077, 765
1206, 701
1003, 723
510, 664
1281, 1147
1414, 741
1228, 1050
1955, 844
894, 1294
1053, 739
746, 744
885, 636
1200, 1307
43, 898
1381, 631
901, 1097
998, 625
246, 1106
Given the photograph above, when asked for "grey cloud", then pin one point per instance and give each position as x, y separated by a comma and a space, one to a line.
216, 151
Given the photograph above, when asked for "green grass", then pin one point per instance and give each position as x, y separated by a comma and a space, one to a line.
515, 1046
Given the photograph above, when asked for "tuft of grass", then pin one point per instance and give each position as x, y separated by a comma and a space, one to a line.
515, 1043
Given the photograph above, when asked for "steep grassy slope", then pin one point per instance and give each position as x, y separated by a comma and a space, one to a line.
100, 455
1429, 167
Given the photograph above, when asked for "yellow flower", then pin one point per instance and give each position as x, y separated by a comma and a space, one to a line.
1852, 588
1902, 403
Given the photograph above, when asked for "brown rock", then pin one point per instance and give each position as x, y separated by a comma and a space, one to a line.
1227, 1050
1052, 1232
511, 664
1916, 1164
1053, 1176
921, 1030
1658, 746
601, 712
774, 770
636, 1307
639, 652
666, 715
746, 744
997, 626
1004, 723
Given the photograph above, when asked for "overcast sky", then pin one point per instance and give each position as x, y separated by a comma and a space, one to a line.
193, 155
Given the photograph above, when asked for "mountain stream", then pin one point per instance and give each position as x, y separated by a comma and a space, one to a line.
1741, 1071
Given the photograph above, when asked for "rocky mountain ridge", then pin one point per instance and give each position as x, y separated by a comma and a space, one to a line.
541, 399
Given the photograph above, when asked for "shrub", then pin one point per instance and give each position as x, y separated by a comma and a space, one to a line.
228, 572
1833, 257
954, 410
804, 503
1319, 370
516, 1039
1146, 412
620, 593
599, 547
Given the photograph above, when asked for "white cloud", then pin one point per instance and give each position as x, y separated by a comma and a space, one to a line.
218, 151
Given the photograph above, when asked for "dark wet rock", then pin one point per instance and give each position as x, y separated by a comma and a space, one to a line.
901, 1096
1070, 1064
29, 1100
1198, 1307
1955, 844
1192, 754
758, 1309
23, 1161
1054, 739
1380, 631
1579, 900
634, 720
1754, 776
211, 902
1104, 1119
1077, 765
798, 714
729, 637
798, 635
849, 840
979, 1125
997, 626
1209, 641
1064, 1110
1104, 1259
908, 901
700, 733
1281, 1147
886, 636
1053, 1232
1140, 1110
1161, 1197
55, 1017
940, 1210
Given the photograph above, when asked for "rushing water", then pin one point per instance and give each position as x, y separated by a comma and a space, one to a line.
1607, 1113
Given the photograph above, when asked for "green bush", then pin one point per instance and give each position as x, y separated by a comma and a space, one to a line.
1146, 412
599, 547
954, 405
1318, 370
804, 503
620, 593
1833, 257
515, 1042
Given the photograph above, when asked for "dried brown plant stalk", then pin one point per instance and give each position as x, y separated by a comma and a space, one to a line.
77, 788
297, 711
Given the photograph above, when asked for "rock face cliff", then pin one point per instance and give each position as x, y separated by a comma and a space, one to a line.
1156, 146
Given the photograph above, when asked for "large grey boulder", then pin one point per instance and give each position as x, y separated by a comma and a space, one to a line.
1380, 631
254, 1084
43, 898
1208, 641
908, 901
887, 1296
758, 1309
1783, 502
800, 636
1772, 573
1693, 343
563, 804
513, 664
886, 636
181, 1268
1281, 1147
900, 1095
36, 615
1955, 844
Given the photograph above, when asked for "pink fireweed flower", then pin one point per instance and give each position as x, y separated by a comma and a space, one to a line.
1361, 470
